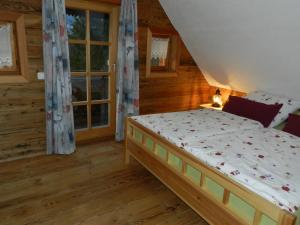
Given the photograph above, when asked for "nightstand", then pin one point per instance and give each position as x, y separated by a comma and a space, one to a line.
209, 106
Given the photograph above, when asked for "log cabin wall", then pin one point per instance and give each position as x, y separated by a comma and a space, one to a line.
22, 119
188, 90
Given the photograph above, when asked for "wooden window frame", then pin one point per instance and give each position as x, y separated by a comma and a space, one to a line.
18, 74
108, 130
173, 53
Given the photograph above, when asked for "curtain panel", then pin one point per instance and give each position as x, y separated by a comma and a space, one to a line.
127, 66
58, 91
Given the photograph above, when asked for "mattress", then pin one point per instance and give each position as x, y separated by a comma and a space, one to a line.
181, 128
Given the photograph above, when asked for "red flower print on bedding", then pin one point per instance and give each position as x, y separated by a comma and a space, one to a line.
235, 173
285, 188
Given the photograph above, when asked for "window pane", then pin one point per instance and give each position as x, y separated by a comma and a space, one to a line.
76, 23
99, 87
99, 58
80, 117
77, 57
159, 51
6, 50
99, 115
79, 88
99, 26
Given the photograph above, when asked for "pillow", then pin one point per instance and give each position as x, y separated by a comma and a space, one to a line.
289, 105
260, 112
293, 125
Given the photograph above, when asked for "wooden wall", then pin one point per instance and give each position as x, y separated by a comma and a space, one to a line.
22, 123
187, 90
22, 119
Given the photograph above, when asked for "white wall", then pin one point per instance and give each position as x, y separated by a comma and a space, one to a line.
243, 44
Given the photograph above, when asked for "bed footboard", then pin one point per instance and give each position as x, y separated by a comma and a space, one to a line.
215, 197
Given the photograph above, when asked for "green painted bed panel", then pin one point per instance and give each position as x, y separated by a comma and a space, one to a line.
130, 130
149, 144
214, 188
161, 152
138, 136
242, 208
175, 161
265, 220
193, 174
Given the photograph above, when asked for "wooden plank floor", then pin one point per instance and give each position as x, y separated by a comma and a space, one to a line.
90, 187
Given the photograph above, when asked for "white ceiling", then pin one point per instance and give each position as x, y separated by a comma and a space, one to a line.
242, 44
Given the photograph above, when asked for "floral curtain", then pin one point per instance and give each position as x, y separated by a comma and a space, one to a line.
59, 110
127, 67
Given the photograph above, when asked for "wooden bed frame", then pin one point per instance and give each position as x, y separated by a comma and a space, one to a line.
215, 197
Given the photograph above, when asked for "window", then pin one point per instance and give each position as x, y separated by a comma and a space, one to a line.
92, 29
162, 53
7, 49
13, 54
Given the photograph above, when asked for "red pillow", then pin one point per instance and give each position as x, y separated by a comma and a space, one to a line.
260, 112
293, 125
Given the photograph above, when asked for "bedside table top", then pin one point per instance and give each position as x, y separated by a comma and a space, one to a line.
209, 106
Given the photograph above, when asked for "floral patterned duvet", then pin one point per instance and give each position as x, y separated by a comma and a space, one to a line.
266, 161
183, 127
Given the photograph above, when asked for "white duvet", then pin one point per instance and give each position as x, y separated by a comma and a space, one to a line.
183, 127
266, 161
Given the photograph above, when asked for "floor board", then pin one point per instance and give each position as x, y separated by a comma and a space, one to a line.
90, 187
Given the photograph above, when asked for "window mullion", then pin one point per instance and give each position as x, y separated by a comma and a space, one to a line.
88, 67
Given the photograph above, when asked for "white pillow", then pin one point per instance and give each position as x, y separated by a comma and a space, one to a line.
289, 105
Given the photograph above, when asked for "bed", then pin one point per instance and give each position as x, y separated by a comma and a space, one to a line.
178, 155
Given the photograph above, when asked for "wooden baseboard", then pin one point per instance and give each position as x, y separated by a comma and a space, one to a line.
95, 140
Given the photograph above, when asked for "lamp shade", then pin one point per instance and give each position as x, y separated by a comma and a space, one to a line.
217, 99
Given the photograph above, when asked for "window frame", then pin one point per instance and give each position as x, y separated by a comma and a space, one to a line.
88, 73
19, 73
86, 134
170, 70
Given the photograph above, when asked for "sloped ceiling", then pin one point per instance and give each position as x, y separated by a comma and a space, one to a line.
242, 44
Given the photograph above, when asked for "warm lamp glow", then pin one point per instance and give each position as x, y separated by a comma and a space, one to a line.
217, 99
